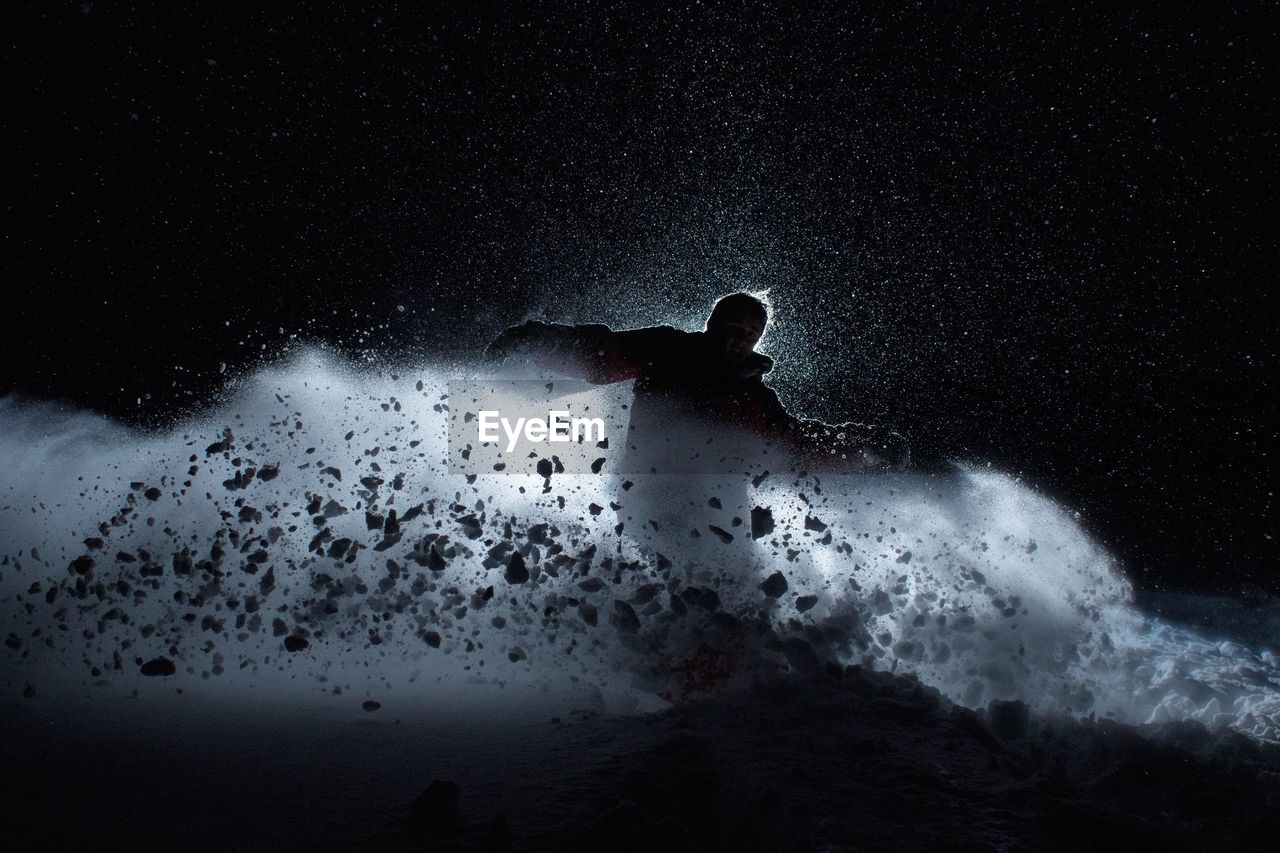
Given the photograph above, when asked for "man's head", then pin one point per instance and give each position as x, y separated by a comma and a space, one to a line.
736, 325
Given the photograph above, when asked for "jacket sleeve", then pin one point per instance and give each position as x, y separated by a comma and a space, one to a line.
595, 352
779, 424
816, 441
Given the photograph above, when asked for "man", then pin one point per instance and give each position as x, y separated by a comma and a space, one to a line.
701, 411
704, 385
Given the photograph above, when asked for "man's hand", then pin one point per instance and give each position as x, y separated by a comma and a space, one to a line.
851, 445
885, 448
511, 341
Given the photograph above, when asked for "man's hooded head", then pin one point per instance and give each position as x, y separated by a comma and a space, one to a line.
736, 324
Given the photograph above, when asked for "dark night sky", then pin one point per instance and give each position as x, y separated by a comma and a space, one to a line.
1039, 239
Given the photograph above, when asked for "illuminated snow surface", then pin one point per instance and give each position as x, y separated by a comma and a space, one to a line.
254, 552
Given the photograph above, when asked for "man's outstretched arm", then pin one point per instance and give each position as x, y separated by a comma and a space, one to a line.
593, 352
820, 442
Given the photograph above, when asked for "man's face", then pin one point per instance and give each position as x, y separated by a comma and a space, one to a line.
735, 336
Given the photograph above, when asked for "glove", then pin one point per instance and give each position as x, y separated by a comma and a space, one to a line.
874, 446
513, 340
886, 449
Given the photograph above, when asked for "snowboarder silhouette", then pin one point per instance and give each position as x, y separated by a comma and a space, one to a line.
712, 379
701, 411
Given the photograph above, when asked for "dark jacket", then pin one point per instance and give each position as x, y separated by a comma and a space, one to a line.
679, 373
